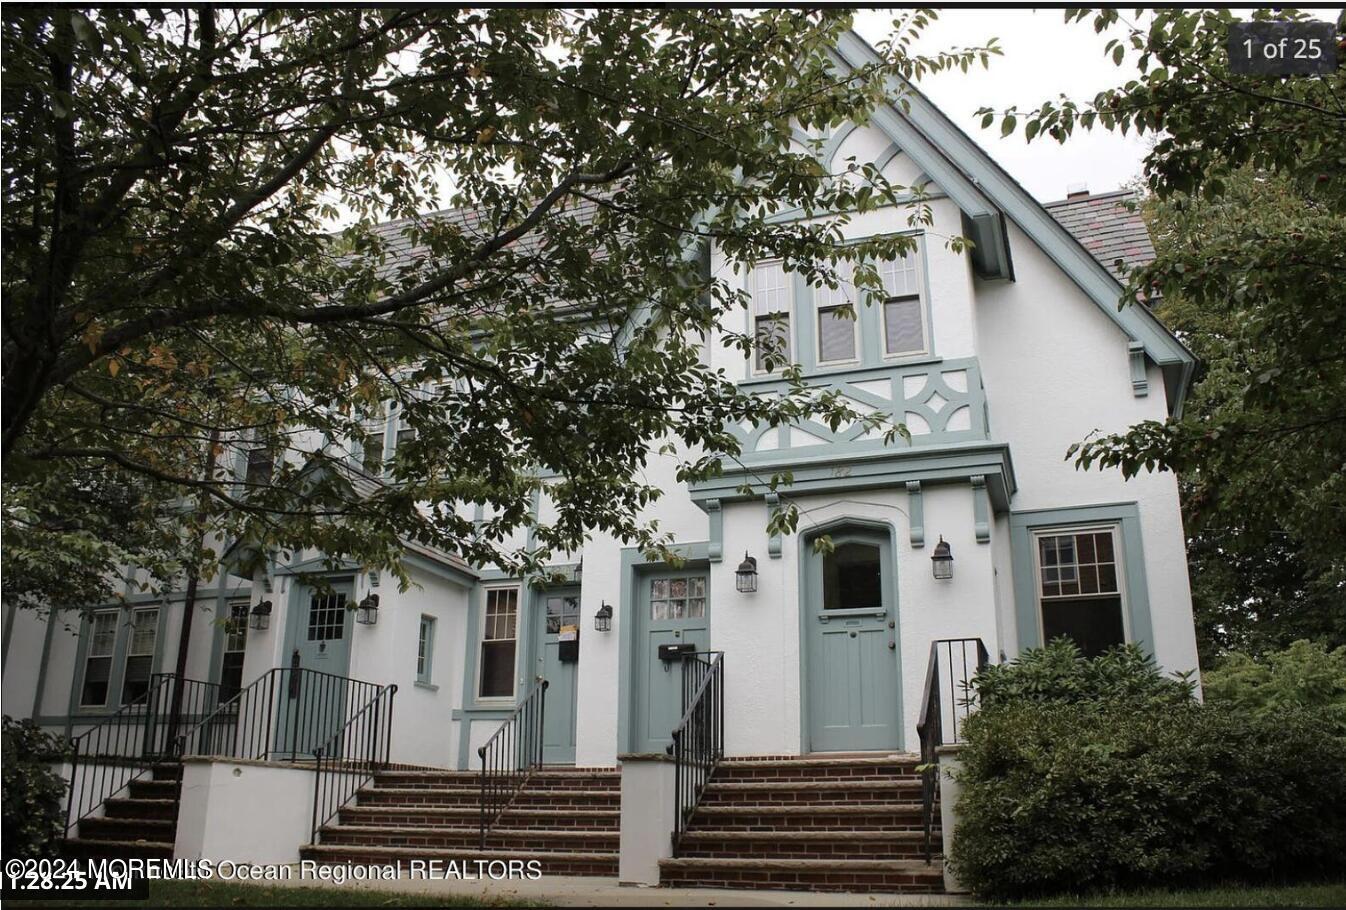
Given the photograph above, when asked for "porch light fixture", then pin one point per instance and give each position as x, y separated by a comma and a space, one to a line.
367, 613
259, 619
942, 561
745, 577
603, 618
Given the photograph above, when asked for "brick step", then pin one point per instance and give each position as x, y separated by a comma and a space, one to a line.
427, 816
121, 807
424, 796
885, 767
540, 780
868, 816
82, 848
833, 791
156, 830
552, 863
731, 844
154, 789
551, 840
857, 875
167, 771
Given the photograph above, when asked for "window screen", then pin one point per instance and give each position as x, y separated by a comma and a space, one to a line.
904, 326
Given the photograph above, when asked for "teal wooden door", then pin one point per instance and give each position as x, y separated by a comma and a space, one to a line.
671, 608
560, 610
850, 622
311, 703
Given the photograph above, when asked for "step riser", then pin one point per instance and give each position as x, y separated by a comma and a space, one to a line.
790, 771
806, 797
138, 809
549, 866
814, 821
611, 785
109, 850
730, 849
433, 799
126, 829
858, 882
432, 839
411, 818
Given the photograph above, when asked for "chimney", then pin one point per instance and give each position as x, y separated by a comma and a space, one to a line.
1077, 190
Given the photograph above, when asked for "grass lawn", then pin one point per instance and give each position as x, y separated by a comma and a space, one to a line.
231, 894
1326, 895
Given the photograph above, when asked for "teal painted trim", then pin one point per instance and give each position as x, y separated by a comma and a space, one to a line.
318, 565
916, 513
990, 251
804, 324
633, 562
838, 473
117, 671
715, 516
805, 560
216, 665
42, 664
773, 541
1140, 382
1137, 596
294, 609
980, 186
981, 508
10, 610
451, 574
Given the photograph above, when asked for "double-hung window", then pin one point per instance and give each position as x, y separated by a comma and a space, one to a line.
98, 659
140, 654
425, 649
371, 447
904, 330
499, 641
235, 644
769, 287
837, 330
1080, 590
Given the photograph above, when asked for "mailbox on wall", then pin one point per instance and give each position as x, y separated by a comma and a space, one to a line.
568, 644
676, 651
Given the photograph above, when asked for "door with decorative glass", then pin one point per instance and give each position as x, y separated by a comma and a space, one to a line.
850, 622
311, 703
557, 653
672, 608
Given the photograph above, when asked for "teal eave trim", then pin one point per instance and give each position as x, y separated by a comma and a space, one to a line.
980, 187
1137, 596
451, 574
836, 473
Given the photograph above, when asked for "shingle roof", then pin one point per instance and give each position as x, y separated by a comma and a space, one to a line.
1108, 226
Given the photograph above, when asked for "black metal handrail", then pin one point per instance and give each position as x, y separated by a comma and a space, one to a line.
698, 739
349, 758
285, 714
930, 727
510, 756
123, 747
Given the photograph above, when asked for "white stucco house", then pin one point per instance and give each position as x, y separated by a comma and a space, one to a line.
997, 359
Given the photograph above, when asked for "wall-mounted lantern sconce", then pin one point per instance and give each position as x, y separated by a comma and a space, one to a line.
745, 577
367, 613
603, 618
259, 619
942, 560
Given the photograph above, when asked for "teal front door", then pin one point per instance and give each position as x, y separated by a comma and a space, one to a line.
557, 650
311, 701
850, 622
671, 608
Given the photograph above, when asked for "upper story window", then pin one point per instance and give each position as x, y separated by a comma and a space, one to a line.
140, 654
1079, 588
837, 333
769, 286
904, 329
371, 451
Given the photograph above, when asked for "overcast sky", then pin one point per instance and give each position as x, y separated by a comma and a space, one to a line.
1043, 58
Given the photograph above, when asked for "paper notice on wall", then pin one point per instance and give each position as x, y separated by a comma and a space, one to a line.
569, 633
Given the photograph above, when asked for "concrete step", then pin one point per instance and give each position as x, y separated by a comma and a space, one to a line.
856, 875
431, 816
551, 863
121, 807
463, 838
730, 844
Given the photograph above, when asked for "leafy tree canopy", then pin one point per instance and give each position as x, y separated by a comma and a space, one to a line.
176, 295
1247, 176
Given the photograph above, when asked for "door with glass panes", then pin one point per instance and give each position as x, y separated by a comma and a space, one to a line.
311, 702
557, 651
672, 608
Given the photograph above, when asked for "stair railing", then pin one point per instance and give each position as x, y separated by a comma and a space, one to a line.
350, 757
698, 739
948, 695
121, 748
285, 714
510, 756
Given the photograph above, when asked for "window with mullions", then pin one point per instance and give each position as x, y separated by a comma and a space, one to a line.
1079, 588
235, 644
499, 640
904, 329
327, 618
144, 632
425, 647
769, 287
562, 611
678, 598
98, 659
837, 332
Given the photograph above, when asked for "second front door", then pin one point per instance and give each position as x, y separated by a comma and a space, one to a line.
557, 650
671, 608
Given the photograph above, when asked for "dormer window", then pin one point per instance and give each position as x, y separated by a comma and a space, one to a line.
905, 332
769, 287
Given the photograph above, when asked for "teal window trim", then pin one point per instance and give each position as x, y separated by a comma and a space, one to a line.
523, 607
425, 650
1136, 598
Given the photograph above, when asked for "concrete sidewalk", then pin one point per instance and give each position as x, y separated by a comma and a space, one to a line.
565, 891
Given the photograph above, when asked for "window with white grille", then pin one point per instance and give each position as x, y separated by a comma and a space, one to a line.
836, 330
499, 642
769, 287
904, 330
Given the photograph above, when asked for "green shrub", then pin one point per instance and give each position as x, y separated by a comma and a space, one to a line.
1059, 672
34, 794
1072, 794
1306, 675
